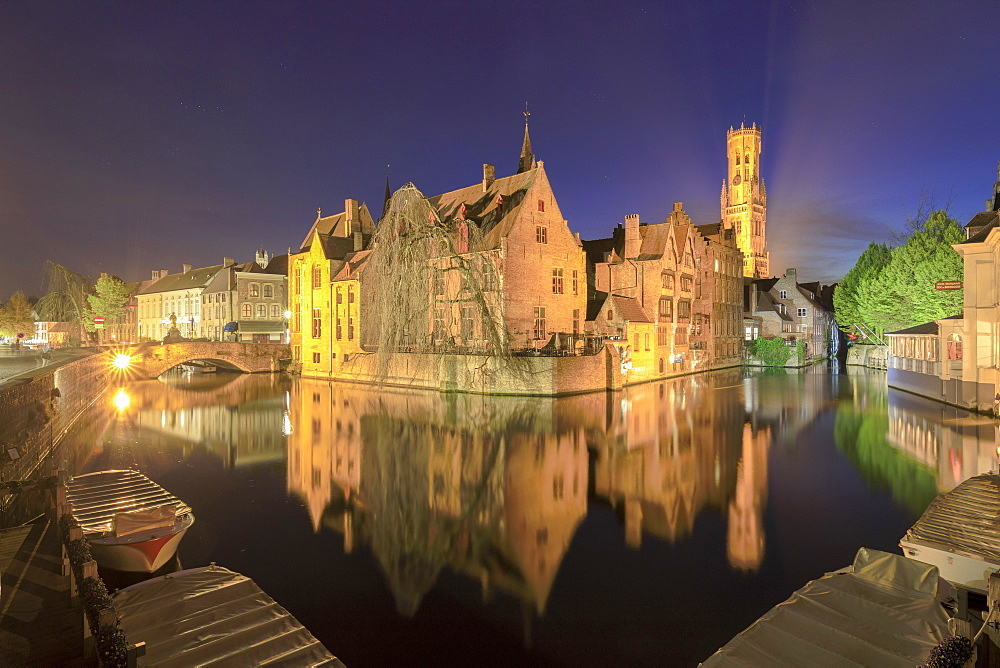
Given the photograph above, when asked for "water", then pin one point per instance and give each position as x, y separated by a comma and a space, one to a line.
641, 528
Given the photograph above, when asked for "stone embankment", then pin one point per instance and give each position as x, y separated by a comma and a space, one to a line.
873, 357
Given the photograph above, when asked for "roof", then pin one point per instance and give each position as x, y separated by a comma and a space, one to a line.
926, 328
277, 265
595, 305
884, 612
597, 249
196, 278
211, 614
980, 226
335, 224
495, 218
630, 308
965, 520
654, 240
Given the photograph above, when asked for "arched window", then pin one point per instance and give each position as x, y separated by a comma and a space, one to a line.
254, 290
268, 290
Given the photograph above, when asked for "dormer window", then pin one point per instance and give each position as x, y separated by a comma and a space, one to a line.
782, 294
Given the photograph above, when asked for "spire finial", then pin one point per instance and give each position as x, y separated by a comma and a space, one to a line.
388, 194
527, 160
526, 113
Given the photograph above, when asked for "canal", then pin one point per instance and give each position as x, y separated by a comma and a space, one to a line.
641, 528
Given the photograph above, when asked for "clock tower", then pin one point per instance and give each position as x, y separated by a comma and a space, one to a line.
744, 199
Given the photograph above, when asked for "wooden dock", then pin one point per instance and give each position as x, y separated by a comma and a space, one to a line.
37, 625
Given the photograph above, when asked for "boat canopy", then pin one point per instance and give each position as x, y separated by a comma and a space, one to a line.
206, 615
882, 613
965, 520
96, 498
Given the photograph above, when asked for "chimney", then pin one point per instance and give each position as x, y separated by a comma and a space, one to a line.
353, 214
489, 176
164, 273
632, 239
790, 273
228, 261
185, 268
156, 274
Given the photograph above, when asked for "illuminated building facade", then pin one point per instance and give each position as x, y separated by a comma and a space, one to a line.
247, 302
177, 295
744, 199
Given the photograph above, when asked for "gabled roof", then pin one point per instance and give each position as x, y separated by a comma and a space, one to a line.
350, 267
655, 239
926, 328
196, 278
766, 304
495, 218
595, 305
630, 309
980, 226
277, 265
336, 225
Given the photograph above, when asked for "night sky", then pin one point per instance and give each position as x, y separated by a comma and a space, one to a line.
144, 135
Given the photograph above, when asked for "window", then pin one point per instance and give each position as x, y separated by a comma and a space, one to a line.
663, 337
317, 318
247, 310
666, 309
576, 282
316, 358
489, 279
223, 297
611, 315
350, 294
541, 234
297, 321
340, 296
782, 294
667, 280
557, 281
541, 205
467, 323
317, 275
350, 323
684, 309
686, 283
802, 313
539, 322
261, 310
275, 311
576, 322
296, 353
268, 290
254, 290
647, 341
438, 286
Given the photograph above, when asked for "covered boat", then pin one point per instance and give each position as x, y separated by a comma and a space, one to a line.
131, 523
211, 614
882, 611
960, 533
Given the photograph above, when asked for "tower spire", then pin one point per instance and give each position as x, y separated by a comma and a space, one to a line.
527, 160
385, 201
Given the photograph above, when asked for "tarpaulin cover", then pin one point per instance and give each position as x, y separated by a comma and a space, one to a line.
95, 498
883, 613
965, 520
214, 616
146, 519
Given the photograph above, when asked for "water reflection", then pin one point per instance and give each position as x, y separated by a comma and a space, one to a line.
717, 478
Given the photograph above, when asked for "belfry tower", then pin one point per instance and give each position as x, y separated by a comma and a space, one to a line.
744, 199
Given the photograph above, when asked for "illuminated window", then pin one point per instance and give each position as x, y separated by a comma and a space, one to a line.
539, 330
247, 310
268, 290
317, 318
254, 290
541, 205
557, 281
541, 234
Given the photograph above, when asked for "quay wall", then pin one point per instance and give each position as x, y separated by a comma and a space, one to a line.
870, 356
36, 411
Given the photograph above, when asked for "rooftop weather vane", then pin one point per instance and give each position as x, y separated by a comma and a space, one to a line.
526, 112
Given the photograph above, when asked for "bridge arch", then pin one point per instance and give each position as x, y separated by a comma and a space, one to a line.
151, 360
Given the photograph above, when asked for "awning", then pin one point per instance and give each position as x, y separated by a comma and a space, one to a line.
230, 327
260, 327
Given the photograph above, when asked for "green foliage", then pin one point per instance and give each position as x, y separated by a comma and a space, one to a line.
16, 317
889, 289
772, 352
109, 300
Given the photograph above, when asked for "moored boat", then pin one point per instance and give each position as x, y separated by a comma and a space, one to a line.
215, 616
960, 533
131, 523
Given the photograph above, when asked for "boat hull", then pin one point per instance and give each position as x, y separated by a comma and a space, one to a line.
141, 554
961, 570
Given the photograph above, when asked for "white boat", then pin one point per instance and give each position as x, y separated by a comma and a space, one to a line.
199, 367
214, 616
960, 533
882, 611
131, 523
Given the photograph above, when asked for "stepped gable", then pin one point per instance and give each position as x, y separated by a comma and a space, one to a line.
494, 209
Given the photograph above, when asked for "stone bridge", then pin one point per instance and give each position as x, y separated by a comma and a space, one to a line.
149, 360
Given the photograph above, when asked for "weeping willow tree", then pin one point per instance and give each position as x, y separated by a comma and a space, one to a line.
66, 299
434, 288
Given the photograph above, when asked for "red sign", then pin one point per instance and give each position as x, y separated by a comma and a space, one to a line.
98, 320
948, 285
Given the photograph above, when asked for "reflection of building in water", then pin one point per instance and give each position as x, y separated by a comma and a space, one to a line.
787, 400
745, 539
673, 449
953, 443
238, 419
492, 487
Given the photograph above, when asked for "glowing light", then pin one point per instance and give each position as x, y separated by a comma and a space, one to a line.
286, 424
122, 361
122, 400
288, 314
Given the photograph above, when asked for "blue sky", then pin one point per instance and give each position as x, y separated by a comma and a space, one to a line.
146, 135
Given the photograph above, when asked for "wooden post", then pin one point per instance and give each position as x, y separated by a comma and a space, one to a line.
134, 653
991, 634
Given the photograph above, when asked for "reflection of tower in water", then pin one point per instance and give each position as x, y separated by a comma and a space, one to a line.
745, 539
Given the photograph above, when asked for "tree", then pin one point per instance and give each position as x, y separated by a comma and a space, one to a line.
66, 298
110, 297
893, 288
16, 317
